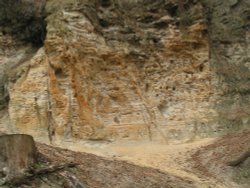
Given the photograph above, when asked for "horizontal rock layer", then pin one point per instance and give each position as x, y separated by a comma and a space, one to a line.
126, 70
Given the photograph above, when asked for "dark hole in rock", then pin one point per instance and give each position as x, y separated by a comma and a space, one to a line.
104, 69
201, 68
59, 73
174, 88
177, 23
53, 133
104, 23
153, 10
24, 20
161, 24
196, 45
147, 19
146, 87
105, 3
2, 174
205, 32
172, 9
156, 40
116, 120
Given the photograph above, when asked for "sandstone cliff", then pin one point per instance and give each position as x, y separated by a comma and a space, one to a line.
138, 70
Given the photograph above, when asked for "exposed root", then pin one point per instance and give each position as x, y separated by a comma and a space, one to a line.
36, 173
240, 160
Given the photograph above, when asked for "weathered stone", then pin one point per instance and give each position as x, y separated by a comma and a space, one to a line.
133, 70
229, 33
109, 86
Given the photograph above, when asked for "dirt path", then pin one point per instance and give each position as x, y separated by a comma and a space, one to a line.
172, 159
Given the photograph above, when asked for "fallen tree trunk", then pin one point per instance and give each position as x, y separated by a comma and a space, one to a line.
36, 173
17, 154
51, 169
240, 160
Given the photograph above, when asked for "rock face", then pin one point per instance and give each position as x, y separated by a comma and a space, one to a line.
18, 153
132, 70
229, 29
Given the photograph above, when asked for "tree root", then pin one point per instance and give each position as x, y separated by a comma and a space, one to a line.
35, 173
51, 169
240, 160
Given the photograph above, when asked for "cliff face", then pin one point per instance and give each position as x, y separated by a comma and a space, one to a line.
130, 70
229, 28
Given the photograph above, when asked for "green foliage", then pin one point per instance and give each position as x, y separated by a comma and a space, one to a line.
40, 165
242, 175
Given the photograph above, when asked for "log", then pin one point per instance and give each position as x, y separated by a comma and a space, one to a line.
51, 169
240, 160
36, 173
17, 154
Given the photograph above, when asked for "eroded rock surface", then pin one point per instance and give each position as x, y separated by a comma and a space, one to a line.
132, 70
229, 28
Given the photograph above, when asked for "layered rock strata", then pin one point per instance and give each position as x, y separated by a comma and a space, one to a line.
128, 70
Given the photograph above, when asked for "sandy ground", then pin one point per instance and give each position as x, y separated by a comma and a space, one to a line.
130, 164
172, 159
